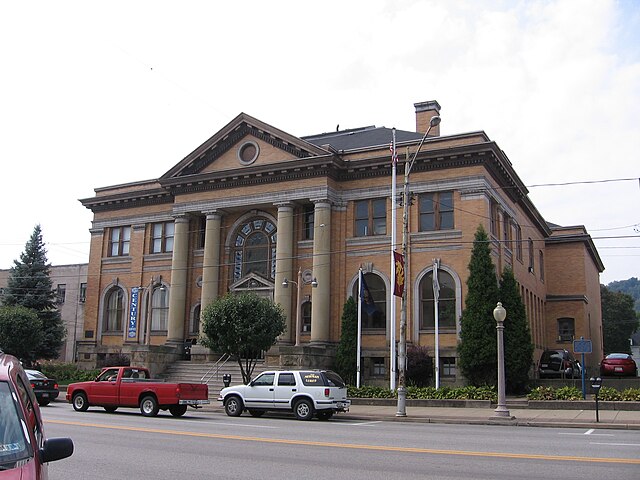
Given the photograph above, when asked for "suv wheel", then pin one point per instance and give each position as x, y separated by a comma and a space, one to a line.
233, 406
303, 409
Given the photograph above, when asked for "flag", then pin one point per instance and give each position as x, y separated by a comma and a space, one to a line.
436, 284
398, 286
366, 299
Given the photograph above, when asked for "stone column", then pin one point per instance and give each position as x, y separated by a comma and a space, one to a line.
211, 263
321, 296
284, 268
178, 291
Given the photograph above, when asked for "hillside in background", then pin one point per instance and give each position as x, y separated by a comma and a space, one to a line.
631, 287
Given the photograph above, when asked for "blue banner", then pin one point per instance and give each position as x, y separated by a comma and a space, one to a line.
133, 313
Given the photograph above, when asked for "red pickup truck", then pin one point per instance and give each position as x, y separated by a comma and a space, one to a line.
132, 387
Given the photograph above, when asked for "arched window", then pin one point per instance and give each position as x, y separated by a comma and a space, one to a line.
374, 317
114, 313
255, 249
446, 302
306, 317
159, 309
194, 324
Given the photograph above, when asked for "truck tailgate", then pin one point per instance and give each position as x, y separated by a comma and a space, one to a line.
193, 391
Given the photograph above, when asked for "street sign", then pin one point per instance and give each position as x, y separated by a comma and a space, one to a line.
582, 346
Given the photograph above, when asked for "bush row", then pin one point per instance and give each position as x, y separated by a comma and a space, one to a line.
427, 393
574, 393
66, 373
490, 393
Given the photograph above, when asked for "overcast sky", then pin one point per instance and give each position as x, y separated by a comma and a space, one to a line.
94, 94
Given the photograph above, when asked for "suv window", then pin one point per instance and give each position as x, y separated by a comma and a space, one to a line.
286, 379
312, 379
264, 379
334, 379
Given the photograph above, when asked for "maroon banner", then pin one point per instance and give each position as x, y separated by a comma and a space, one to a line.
398, 287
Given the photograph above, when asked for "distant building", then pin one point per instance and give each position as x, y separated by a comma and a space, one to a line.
70, 284
253, 206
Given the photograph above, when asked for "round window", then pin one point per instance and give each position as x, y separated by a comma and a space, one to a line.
248, 153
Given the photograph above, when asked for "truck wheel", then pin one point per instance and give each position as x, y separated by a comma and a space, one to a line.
110, 409
256, 413
233, 406
43, 403
149, 406
80, 403
177, 410
303, 409
325, 414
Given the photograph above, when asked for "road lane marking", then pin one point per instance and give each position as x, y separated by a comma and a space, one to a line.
589, 432
383, 448
616, 444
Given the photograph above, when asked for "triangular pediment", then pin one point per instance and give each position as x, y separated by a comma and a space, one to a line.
245, 142
251, 282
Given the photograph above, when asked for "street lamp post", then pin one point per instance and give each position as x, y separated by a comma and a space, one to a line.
402, 346
499, 313
298, 284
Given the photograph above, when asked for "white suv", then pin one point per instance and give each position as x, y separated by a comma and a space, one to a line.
305, 392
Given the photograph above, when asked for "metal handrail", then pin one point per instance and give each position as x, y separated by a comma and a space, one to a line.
217, 366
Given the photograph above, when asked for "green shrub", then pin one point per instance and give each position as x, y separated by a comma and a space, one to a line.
568, 393
66, 373
542, 393
609, 394
631, 395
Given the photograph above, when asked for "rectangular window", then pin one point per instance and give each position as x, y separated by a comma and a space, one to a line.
309, 223
371, 217
518, 242
162, 237
507, 231
82, 294
119, 241
566, 329
494, 216
202, 228
448, 366
379, 368
436, 211
530, 256
61, 292
541, 257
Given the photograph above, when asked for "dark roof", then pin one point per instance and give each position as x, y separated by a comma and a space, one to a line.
363, 137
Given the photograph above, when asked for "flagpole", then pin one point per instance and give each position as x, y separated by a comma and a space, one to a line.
359, 346
392, 303
436, 298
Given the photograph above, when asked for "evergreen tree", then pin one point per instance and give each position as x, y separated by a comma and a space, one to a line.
619, 320
477, 349
518, 349
345, 362
29, 285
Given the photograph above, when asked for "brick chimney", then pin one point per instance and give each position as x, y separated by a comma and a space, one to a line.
424, 112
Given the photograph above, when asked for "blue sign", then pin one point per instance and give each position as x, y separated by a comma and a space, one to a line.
133, 313
582, 346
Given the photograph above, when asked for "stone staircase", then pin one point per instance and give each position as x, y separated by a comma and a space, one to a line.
209, 373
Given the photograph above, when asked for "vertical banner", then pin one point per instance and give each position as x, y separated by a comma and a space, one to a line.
133, 313
359, 346
398, 284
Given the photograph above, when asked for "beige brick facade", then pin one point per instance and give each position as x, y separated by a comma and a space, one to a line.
249, 170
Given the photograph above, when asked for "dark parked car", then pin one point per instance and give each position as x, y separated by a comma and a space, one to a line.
618, 364
46, 389
24, 448
558, 363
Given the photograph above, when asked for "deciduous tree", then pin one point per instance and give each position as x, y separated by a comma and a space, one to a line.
619, 320
20, 332
243, 326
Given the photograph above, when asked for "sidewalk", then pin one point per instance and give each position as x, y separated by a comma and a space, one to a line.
522, 416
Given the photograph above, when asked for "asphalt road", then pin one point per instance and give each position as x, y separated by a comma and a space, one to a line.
208, 444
